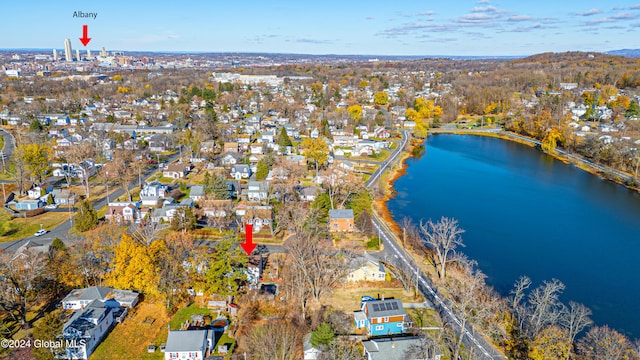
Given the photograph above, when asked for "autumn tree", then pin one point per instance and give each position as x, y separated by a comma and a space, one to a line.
550, 140
47, 329
136, 266
602, 342
216, 185
381, 98
37, 158
316, 151
552, 343
184, 220
443, 238
355, 112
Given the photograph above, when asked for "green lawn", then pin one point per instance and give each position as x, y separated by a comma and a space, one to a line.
184, 314
14, 229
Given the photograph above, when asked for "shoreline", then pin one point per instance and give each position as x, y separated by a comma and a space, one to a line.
399, 169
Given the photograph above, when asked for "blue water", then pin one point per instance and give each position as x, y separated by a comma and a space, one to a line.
527, 214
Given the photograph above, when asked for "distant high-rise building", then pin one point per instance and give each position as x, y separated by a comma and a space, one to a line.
88, 54
103, 53
68, 54
77, 54
55, 55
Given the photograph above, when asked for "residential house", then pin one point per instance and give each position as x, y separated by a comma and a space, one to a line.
121, 212
158, 143
397, 348
347, 166
257, 215
216, 208
38, 192
87, 327
188, 344
256, 148
341, 220
366, 268
29, 204
257, 191
152, 192
167, 212
80, 298
197, 192
64, 197
209, 146
231, 158
308, 193
382, 317
176, 170
230, 147
240, 172
268, 136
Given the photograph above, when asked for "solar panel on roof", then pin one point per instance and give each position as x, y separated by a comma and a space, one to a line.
388, 306
376, 307
395, 306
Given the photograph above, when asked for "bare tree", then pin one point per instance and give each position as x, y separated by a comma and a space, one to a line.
19, 278
316, 262
443, 238
340, 186
576, 319
341, 349
467, 292
602, 342
545, 306
426, 348
277, 340
146, 231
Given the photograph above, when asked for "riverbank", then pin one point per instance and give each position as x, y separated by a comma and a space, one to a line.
604, 172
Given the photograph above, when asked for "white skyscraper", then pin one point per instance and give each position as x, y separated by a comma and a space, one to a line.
88, 54
55, 55
77, 54
68, 53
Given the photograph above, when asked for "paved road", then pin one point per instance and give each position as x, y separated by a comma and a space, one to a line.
9, 145
62, 230
397, 256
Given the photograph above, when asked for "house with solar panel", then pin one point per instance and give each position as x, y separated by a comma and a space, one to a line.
382, 317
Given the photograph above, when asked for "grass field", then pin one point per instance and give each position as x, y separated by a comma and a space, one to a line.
14, 229
348, 299
130, 339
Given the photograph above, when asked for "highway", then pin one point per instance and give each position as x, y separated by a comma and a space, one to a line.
479, 346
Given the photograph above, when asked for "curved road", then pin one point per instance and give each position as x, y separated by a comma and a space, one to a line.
476, 343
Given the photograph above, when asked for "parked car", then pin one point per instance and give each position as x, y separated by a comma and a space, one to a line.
40, 232
51, 206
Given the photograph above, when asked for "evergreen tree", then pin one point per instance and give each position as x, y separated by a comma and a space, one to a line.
50, 200
57, 244
283, 139
323, 335
86, 217
226, 268
633, 109
217, 186
262, 171
183, 220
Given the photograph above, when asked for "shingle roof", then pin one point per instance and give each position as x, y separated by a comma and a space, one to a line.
341, 214
186, 340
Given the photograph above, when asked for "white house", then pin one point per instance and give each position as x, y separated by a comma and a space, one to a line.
87, 327
80, 298
187, 345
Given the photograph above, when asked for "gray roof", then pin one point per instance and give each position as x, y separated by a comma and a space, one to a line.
383, 308
197, 190
186, 340
390, 348
341, 214
85, 321
90, 293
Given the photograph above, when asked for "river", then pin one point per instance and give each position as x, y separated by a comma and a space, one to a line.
526, 213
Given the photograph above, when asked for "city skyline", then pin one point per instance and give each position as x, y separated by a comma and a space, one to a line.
403, 28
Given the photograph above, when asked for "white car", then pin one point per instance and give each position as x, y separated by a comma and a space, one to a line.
51, 206
40, 232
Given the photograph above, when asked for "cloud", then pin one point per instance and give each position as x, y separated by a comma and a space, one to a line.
634, 7
486, 9
590, 12
369, 18
521, 29
519, 18
311, 41
477, 18
612, 19
426, 13
483, 2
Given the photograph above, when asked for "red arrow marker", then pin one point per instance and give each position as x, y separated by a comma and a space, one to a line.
85, 33
248, 244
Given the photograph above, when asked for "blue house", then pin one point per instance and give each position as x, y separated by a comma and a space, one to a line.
382, 317
29, 204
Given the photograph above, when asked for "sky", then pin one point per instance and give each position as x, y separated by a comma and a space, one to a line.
373, 27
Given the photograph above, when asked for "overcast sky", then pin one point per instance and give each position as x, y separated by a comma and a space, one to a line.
373, 27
